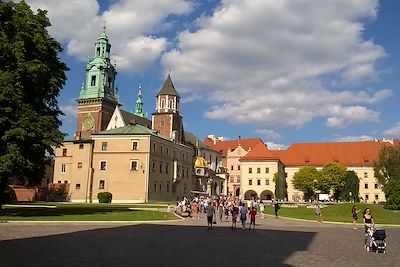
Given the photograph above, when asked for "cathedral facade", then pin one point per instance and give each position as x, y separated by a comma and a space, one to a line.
125, 153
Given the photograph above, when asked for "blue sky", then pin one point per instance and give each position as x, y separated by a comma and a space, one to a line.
284, 71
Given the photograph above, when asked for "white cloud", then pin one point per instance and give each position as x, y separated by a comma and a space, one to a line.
70, 110
354, 138
268, 134
274, 146
270, 63
130, 24
342, 116
394, 131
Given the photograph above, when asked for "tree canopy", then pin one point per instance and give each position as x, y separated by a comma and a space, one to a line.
387, 171
331, 178
31, 78
305, 180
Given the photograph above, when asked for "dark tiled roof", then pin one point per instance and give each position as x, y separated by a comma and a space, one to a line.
168, 88
132, 118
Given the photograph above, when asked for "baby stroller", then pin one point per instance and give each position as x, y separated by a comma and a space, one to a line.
376, 240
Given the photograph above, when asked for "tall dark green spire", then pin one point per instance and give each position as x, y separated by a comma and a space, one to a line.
100, 73
139, 104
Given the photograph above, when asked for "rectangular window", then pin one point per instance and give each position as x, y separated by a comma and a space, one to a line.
250, 182
63, 168
366, 197
266, 181
80, 146
93, 80
153, 166
231, 167
160, 167
161, 150
65, 182
258, 182
167, 150
166, 168
154, 147
64, 152
103, 165
79, 165
258, 170
238, 167
59, 182
366, 186
376, 197
78, 186
232, 179
365, 175
376, 186
102, 184
160, 187
266, 170
238, 179
134, 165
104, 146
250, 170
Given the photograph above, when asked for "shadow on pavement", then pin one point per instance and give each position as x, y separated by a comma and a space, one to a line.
157, 245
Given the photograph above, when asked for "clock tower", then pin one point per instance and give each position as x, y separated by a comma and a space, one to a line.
98, 96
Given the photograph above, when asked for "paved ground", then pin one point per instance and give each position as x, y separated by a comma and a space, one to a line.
275, 242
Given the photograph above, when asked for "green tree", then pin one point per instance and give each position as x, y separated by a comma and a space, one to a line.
305, 180
351, 184
332, 178
31, 77
387, 171
278, 190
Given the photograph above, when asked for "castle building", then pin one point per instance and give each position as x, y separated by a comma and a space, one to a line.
125, 153
253, 168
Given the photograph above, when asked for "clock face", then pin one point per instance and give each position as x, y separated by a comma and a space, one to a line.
88, 123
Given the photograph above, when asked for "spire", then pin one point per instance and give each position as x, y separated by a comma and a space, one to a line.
100, 73
139, 104
168, 88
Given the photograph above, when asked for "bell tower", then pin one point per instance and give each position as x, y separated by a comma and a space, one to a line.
98, 96
166, 119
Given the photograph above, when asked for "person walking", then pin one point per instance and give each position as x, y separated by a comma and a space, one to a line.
235, 212
276, 208
243, 215
318, 212
210, 213
252, 214
355, 212
220, 210
262, 207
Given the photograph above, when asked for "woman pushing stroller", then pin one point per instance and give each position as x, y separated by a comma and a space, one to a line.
368, 224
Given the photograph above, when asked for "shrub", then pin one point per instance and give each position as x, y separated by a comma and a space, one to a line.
104, 197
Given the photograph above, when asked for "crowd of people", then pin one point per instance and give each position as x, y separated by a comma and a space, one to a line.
222, 208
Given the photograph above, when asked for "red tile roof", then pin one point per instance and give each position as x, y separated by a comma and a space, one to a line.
260, 152
319, 154
223, 146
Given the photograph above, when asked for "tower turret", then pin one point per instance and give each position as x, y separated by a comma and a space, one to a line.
98, 96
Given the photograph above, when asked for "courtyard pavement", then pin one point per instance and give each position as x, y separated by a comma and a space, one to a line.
275, 242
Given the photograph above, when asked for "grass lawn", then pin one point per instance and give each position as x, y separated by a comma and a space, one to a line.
85, 212
340, 213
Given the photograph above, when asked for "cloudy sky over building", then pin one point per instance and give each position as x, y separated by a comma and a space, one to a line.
286, 71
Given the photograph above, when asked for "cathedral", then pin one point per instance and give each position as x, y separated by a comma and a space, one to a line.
135, 158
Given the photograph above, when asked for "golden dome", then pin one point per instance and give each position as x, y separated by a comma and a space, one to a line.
200, 162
